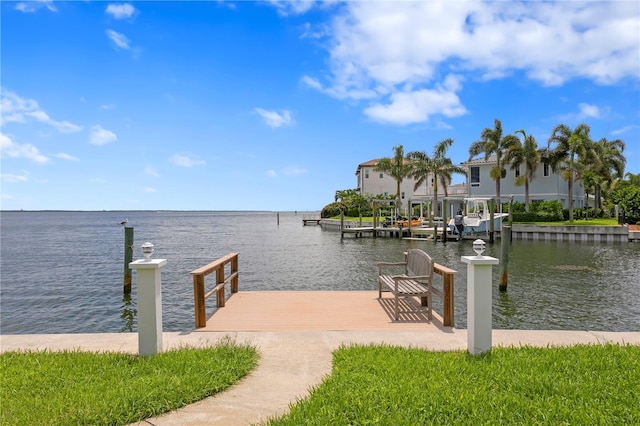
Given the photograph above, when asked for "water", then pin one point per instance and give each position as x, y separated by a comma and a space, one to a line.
62, 272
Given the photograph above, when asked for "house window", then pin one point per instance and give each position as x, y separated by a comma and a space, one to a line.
402, 195
475, 176
366, 174
546, 170
381, 175
517, 171
386, 195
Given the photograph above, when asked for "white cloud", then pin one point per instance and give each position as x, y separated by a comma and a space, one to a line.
312, 82
293, 171
287, 171
20, 110
100, 136
35, 5
108, 106
120, 40
184, 160
417, 106
149, 189
151, 171
313, 32
623, 130
67, 157
10, 149
120, 11
292, 7
11, 178
402, 50
276, 119
588, 111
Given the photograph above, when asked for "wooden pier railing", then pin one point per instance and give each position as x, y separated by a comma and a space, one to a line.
446, 294
199, 295
218, 266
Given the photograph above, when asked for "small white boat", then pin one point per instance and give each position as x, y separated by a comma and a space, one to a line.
478, 218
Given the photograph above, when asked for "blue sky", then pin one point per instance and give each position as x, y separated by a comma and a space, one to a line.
272, 105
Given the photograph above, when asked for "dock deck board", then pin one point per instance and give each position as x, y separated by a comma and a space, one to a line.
317, 310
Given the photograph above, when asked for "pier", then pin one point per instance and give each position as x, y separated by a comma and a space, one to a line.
315, 310
306, 222
311, 220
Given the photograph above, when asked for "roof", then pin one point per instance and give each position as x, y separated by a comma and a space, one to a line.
480, 161
373, 163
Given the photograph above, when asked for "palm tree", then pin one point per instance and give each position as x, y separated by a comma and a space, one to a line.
570, 146
493, 142
526, 153
438, 166
398, 167
634, 179
610, 165
343, 194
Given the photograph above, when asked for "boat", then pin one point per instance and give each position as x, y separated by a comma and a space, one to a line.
401, 222
478, 218
415, 221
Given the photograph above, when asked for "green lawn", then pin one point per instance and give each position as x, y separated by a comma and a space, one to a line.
73, 388
586, 384
382, 385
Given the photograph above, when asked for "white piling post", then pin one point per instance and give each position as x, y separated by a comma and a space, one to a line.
479, 299
149, 292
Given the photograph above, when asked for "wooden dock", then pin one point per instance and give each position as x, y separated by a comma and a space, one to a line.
306, 222
308, 310
394, 232
317, 310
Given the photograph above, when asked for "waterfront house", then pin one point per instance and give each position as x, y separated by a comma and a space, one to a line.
547, 184
373, 182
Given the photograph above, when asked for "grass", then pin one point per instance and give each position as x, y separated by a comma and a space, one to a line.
374, 384
383, 385
73, 387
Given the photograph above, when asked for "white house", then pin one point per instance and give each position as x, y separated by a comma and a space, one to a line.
373, 182
547, 185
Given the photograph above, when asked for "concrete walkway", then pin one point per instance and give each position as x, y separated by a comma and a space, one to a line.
291, 363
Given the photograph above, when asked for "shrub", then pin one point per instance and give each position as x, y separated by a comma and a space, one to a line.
539, 211
627, 196
551, 207
333, 209
534, 217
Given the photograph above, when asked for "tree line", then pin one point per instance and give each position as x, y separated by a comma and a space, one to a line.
598, 164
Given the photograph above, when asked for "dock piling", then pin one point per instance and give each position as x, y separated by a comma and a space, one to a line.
128, 258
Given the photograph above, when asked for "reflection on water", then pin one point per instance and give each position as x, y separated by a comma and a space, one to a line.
62, 271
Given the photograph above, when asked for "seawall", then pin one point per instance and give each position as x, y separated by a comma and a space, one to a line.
578, 233
608, 234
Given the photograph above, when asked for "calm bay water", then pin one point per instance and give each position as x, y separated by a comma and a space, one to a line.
61, 272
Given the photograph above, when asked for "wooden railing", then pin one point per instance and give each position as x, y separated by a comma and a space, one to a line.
218, 266
199, 295
446, 294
